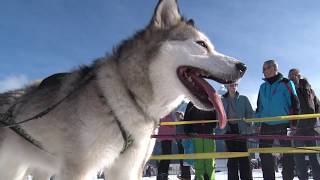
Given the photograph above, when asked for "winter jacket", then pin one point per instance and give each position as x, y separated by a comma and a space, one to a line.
243, 110
309, 104
277, 98
192, 113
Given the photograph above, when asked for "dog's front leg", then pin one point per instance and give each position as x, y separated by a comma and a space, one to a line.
11, 169
129, 165
13, 155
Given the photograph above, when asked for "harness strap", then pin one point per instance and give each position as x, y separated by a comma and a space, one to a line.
7, 119
128, 140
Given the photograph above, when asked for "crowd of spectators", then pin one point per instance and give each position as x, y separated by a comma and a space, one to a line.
278, 96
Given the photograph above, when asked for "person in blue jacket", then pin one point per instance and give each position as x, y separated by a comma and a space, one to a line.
237, 106
277, 97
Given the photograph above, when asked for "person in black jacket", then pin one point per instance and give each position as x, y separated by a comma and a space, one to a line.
309, 104
205, 168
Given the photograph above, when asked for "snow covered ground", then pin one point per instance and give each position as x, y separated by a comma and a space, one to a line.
257, 174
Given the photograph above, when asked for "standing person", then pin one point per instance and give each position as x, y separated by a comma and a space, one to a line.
185, 170
309, 104
277, 97
166, 147
205, 168
237, 106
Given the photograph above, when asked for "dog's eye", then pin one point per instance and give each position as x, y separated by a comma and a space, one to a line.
203, 44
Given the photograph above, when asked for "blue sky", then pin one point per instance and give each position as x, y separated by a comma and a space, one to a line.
42, 37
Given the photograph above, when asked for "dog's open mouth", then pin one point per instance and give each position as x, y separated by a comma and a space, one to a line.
193, 79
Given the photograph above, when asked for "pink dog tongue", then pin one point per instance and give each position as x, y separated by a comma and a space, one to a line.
214, 99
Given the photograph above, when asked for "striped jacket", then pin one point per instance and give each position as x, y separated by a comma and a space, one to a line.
277, 99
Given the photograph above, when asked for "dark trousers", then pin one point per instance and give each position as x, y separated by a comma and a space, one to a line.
180, 150
163, 166
185, 170
267, 160
241, 164
301, 163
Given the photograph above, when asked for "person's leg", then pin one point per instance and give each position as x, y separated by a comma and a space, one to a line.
267, 162
301, 165
180, 150
209, 146
188, 148
245, 169
287, 167
244, 162
180, 146
276, 165
185, 173
184, 170
288, 161
315, 166
163, 167
232, 163
199, 163
267, 159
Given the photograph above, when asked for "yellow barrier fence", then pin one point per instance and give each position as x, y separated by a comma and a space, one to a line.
267, 119
222, 155
218, 155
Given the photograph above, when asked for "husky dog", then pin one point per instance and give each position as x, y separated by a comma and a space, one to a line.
102, 116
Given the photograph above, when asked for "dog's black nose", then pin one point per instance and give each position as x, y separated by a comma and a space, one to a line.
241, 67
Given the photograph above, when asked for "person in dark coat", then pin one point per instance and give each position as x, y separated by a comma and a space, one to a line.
309, 104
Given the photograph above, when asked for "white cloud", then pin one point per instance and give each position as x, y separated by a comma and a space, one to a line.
13, 82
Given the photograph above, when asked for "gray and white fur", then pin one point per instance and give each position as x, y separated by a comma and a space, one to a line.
117, 99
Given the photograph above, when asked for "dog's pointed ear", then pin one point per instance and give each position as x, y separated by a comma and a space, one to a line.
166, 14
